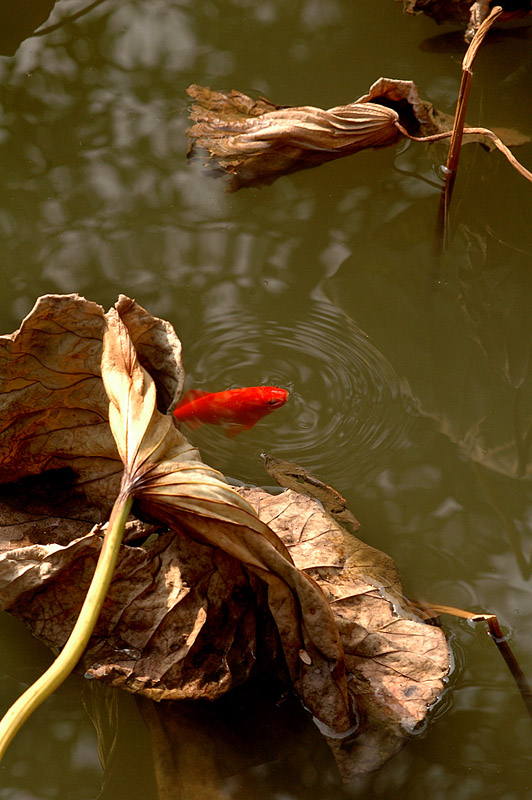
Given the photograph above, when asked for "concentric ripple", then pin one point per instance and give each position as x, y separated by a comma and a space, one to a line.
347, 410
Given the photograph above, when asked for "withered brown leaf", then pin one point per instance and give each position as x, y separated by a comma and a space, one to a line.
181, 619
185, 614
54, 406
164, 630
396, 663
172, 485
255, 142
293, 476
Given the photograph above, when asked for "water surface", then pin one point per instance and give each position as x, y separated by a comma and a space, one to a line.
411, 385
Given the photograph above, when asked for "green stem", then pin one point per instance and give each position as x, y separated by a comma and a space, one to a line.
81, 633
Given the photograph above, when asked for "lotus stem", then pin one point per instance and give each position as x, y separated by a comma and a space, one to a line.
69, 656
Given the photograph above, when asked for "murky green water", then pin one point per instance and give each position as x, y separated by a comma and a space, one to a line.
411, 388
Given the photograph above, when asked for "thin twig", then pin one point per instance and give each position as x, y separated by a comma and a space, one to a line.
465, 88
437, 137
66, 20
69, 656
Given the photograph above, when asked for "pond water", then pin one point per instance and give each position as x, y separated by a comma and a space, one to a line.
411, 382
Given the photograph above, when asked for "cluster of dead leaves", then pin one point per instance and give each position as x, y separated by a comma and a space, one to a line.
211, 585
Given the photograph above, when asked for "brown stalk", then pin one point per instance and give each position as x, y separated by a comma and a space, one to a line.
453, 156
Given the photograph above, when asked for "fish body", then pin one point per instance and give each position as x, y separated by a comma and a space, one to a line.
235, 409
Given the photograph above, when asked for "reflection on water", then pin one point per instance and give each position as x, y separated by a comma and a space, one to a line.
463, 344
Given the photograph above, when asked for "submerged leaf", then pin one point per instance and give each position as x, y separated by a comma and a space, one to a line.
247, 733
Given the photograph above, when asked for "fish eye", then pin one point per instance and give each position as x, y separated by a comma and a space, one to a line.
273, 402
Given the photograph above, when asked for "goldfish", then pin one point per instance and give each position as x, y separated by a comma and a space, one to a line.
235, 409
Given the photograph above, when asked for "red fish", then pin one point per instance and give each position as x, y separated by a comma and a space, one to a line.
236, 409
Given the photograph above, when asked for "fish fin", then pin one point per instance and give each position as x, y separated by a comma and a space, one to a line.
190, 396
233, 428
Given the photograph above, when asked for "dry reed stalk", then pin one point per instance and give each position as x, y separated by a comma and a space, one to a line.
451, 167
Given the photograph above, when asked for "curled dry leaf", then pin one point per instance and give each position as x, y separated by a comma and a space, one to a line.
255, 142
396, 663
420, 118
54, 406
172, 485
